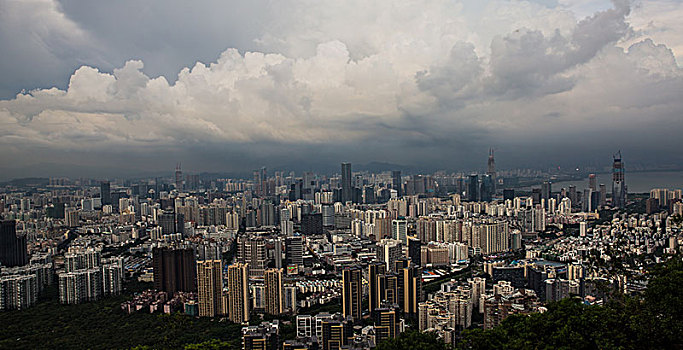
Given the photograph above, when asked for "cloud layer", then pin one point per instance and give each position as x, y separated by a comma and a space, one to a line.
430, 83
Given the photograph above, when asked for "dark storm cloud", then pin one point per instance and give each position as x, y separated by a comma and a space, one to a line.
425, 83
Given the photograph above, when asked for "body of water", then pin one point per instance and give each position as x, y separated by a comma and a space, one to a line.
637, 182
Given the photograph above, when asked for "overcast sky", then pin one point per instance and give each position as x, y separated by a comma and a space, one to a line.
110, 88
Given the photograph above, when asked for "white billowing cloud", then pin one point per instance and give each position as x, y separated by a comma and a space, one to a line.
348, 73
659, 20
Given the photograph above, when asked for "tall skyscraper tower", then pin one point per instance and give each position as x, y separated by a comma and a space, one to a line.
178, 178
273, 282
546, 190
238, 293
472, 188
210, 283
593, 182
347, 190
352, 292
491, 169
105, 192
396, 182
618, 183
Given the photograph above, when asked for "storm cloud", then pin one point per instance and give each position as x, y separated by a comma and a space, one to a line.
425, 83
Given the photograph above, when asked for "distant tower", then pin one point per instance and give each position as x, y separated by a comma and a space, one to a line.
105, 192
178, 178
396, 182
491, 170
618, 183
347, 190
592, 182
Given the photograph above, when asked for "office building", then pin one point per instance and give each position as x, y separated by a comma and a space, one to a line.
294, 250
105, 192
472, 188
346, 183
396, 182
415, 251
618, 182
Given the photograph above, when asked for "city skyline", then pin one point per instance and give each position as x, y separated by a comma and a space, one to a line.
545, 83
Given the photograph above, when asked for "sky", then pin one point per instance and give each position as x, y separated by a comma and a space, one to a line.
125, 88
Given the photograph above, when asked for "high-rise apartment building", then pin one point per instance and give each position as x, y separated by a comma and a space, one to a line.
210, 287
387, 322
18, 292
80, 286
175, 270
251, 250
238, 293
388, 251
274, 297
375, 269
352, 296
12, 247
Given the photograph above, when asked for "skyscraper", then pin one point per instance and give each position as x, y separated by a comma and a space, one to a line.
294, 250
396, 182
210, 286
12, 247
352, 292
472, 188
491, 170
375, 269
273, 283
347, 189
487, 188
238, 293
546, 190
251, 250
105, 192
618, 183
174, 270
593, 182
178, 178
